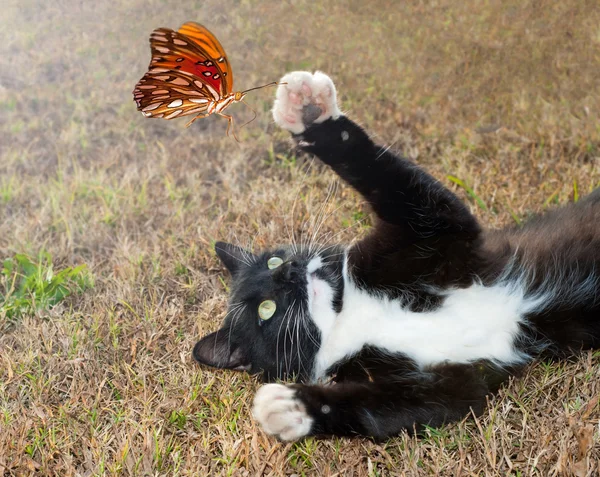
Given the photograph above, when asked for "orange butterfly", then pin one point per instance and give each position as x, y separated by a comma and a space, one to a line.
189, 73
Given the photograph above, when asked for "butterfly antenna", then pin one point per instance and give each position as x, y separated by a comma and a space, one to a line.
274, 83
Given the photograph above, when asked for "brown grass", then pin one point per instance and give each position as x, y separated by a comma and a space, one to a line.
503, 95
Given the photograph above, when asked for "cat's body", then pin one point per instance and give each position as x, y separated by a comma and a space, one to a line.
415, 324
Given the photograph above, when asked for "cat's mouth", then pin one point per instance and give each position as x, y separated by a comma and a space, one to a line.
319, 289
316, 285
312, 284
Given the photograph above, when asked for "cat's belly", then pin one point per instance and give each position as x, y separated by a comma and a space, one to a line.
474, 323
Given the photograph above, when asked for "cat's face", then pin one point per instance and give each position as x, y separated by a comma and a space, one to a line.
279, 303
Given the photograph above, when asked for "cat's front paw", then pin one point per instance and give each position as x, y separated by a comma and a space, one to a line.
281, 413
303, 99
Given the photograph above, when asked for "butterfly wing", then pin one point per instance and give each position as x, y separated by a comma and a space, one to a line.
184, 75
171, 94
208, 43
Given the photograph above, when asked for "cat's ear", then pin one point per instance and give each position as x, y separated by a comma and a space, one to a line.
217, 351
232, 256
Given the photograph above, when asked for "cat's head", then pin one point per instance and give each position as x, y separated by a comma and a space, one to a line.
280, 302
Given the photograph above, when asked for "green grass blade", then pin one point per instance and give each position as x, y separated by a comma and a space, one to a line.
469, 191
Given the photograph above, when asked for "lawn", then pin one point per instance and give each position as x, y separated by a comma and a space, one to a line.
499, 100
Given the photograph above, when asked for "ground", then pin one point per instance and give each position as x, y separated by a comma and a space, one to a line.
499, 100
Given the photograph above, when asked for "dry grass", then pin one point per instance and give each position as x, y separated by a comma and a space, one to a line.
503, 95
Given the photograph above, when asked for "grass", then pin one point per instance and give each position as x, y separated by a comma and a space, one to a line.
502, 96
30, 286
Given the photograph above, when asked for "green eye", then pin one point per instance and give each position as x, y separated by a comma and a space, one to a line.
266, 309
274, 262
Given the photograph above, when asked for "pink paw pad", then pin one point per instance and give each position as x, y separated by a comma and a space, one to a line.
295, 98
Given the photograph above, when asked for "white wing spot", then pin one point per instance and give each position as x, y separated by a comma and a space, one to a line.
196, 110
174, 113
213, 91
180, 90
198, 100
162, 49
199, 84
180, 82
175, 104
151, 107
345, 135
177, 41
147, 86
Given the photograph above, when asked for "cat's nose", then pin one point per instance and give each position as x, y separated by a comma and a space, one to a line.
287, 271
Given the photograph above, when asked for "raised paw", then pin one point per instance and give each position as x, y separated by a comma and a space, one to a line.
304, 99
280, 413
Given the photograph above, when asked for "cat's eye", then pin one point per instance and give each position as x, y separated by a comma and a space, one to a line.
266, 309
274, 262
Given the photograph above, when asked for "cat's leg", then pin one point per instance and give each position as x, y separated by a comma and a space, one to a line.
435, 397
400, 193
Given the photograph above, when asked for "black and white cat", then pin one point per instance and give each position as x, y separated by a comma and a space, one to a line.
416, 323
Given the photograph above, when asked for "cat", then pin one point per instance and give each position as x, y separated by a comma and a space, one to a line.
415, 324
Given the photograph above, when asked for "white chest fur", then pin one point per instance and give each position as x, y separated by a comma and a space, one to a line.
474, 323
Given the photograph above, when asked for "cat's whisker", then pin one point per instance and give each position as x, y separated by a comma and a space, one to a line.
335, 235
296, 196
385, 149
332, 237
304, 318
236, 311
239, 259
290, 333
297, 327
246, 249
327, 257
277, 360
284, 319
306, 224
322, 216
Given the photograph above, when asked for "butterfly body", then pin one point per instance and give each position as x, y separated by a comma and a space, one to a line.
189, 73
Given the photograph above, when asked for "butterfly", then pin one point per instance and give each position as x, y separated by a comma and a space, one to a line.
189, 73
